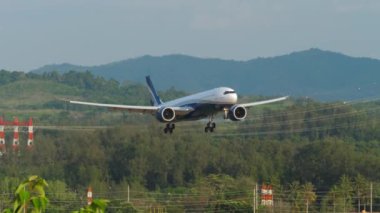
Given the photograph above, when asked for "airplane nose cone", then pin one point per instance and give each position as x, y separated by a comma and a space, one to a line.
232, 98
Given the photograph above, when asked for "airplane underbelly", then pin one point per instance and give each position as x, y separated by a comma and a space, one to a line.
201, 111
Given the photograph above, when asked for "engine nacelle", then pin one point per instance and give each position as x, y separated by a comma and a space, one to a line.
237, 113
165, 114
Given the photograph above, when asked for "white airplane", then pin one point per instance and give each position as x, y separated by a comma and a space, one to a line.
193, 107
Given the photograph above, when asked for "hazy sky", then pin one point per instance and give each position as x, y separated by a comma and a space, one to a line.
92, 32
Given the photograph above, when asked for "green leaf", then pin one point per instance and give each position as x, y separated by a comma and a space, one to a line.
24, 196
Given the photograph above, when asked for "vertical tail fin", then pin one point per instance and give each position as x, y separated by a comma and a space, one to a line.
156, 100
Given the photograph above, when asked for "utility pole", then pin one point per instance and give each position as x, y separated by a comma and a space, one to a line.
128, 194
334, 201
255, 198
371, 189
24, 207
358, 200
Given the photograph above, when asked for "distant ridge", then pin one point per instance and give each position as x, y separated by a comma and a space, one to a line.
315, 73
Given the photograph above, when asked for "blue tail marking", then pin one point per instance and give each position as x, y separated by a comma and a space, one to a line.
156, 100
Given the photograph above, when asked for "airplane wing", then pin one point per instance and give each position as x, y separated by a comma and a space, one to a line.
139, 109
247, 105
132, 108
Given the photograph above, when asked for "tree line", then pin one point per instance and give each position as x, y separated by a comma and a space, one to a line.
322, 153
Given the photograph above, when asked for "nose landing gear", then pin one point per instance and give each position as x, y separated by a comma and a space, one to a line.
210, 125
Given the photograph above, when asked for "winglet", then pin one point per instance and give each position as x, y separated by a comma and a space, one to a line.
156, 100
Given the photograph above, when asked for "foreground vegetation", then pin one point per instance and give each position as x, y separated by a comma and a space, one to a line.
318, 156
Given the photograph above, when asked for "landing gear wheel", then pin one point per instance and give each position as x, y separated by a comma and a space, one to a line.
169, 128
210, 127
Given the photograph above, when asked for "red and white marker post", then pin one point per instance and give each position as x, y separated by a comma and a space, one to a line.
16, 139
89, 196
266, 195
2, 137
30, 134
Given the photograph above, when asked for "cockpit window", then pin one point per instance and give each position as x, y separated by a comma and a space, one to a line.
229, 92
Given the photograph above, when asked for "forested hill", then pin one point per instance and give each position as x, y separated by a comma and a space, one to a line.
327, 150
315, 73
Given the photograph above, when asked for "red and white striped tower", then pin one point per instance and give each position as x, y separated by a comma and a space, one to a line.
89, 195
16, 141
264, 193
30, 134
270, 196
2, 136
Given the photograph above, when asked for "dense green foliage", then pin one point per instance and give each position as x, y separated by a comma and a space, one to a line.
30, 196
323, 153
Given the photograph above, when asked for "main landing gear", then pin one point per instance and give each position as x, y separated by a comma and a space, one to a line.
210, 125
169, 128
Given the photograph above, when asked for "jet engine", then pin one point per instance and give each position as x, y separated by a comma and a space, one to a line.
237, 113
165, 114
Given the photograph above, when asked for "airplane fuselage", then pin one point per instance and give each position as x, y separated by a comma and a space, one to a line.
205, 103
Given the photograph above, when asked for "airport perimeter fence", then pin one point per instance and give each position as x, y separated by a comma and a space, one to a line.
285, 201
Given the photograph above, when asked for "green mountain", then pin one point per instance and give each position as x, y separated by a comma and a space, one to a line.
315, 73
